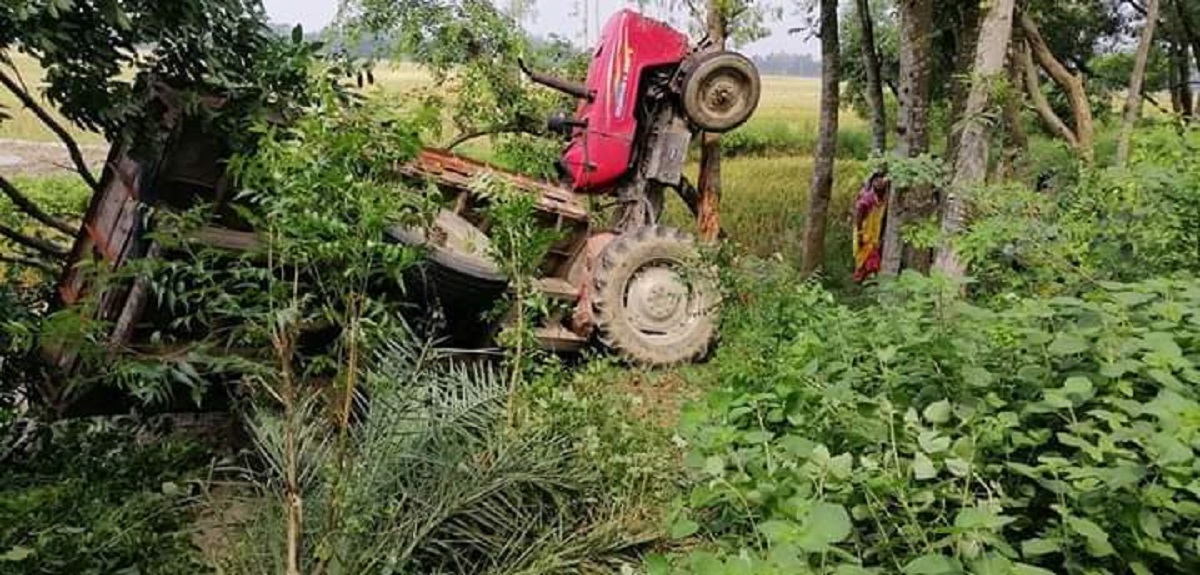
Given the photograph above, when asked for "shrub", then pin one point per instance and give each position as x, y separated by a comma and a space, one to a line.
434, 482
94, 500
928, 435
1111, 224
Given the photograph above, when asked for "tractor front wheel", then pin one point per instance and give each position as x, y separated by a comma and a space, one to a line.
654, 302
721, 91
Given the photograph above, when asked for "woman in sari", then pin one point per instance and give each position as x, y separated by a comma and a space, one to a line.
870, 211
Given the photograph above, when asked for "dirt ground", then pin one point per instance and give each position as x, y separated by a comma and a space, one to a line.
24, 158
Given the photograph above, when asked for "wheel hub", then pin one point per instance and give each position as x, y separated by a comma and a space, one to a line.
724, 93
657, 300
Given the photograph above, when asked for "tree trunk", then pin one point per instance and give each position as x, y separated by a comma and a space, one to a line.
822, 178
1081, 109
709, 183
905, 205
1191, 36
970, 166
965, 41
874, 78
1182, 63
1133, 100
1016, 140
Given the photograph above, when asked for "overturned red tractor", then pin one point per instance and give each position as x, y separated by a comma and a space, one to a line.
632, 283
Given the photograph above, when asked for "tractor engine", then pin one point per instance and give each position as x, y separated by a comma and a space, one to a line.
648, 93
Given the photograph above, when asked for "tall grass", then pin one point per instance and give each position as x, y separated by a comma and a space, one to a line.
764, 203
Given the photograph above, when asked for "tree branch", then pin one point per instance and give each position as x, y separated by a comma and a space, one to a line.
476, 134
29, 102
36, 244
1034, 88
27, 205
27, 262
1081, 109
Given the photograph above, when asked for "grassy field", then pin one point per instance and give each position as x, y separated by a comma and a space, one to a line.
766, 174
23, 125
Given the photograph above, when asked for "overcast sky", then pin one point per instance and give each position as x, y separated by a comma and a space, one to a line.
552, 16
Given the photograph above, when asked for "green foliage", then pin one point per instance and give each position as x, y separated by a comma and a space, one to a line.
128, 45
928, 435
95, 501
438, 483
1111, 224
519, 243
623, 434
472, 49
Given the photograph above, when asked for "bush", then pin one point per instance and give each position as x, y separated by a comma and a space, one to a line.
928, 435
1110, 224
94, 501
432, 480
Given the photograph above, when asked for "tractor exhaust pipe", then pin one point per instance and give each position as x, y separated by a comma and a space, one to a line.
565, 86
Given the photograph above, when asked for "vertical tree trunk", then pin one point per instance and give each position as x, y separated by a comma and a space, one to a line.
1181, 65
1133, 100
966, 38
709, 225
1081, 109
1016, 140
874, 77
1191, 36
970, 166
916, 31
822, 178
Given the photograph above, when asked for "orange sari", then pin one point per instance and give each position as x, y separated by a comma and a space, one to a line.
869, 210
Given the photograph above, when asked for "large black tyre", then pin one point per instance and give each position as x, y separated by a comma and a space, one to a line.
721, 91
654, 302
457, 274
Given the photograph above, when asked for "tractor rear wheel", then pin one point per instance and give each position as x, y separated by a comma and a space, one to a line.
654, 304
721, 91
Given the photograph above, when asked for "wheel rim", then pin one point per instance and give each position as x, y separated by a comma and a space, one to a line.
660, 305
725, 95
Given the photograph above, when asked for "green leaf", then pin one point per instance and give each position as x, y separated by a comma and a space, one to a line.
657, 564
683, 528
923, 467
1097, 539
841, 466
972, 518
1067, 344
933, 564
825, 525
1168, 450
958, 467
977, 377
1026, 569
757, 437
1038, 546
931, 442
779, 531
938, 412
1140, 568
714, 465
16, 554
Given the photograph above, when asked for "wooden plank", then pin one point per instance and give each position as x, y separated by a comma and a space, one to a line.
458, 172
227, 239
135, 304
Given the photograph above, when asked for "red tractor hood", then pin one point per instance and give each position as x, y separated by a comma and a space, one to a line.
630, 44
